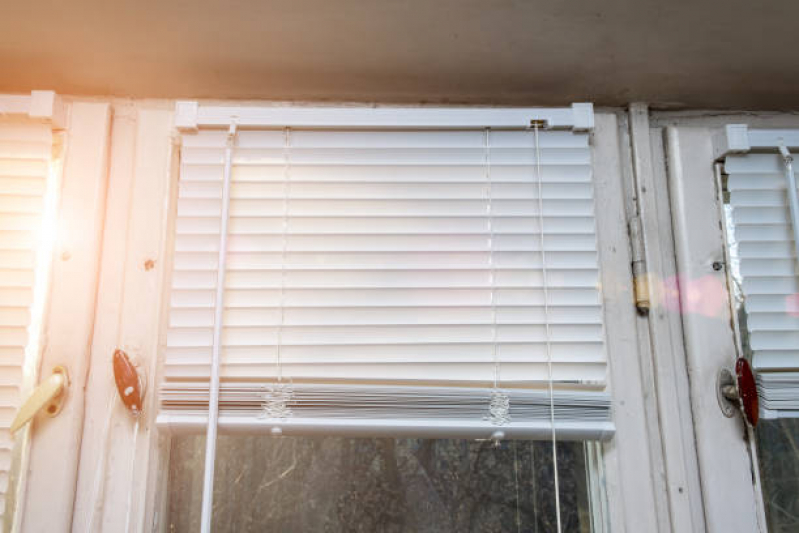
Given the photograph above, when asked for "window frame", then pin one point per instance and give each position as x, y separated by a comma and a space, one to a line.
695, 144
142, 183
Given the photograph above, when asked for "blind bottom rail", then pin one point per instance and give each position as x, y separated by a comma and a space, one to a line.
388, 410
427, 429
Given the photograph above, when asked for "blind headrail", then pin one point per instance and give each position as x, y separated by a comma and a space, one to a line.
192, 115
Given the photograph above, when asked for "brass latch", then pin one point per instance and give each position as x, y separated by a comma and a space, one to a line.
48, 396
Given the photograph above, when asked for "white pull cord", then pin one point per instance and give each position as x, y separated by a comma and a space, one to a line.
219, 307
547, 332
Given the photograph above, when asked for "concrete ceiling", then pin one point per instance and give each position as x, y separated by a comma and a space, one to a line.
708, 54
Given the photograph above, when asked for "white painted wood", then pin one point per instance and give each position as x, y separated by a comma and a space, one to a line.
52, 475
190, 116
631, 475
102, 393
729, 495
646, 378
128, 317
665, 333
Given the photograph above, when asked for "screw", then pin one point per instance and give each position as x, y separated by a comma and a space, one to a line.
717, 265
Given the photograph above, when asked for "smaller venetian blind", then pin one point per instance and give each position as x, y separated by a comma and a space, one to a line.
763, 247
25, 154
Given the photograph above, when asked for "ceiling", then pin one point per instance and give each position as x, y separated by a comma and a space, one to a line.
678, 53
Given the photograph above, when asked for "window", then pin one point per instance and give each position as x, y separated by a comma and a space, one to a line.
386, 273
763, 251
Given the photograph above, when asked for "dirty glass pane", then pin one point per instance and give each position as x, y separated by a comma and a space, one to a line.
778, 453
337, 484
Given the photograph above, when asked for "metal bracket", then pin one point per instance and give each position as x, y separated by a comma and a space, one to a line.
738, 392
727, 392
47, 397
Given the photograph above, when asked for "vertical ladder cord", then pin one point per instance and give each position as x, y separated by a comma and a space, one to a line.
499, 403
492, 273
283, 248
213, 399
547, 332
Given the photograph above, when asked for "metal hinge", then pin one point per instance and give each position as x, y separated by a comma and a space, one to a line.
640, 276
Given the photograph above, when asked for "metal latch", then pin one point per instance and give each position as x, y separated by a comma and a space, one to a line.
738, 392
130, 384
48, 396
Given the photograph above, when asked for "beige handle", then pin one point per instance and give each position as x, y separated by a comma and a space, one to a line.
48, 396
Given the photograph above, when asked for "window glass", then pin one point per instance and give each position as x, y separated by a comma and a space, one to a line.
778, 453
333, 484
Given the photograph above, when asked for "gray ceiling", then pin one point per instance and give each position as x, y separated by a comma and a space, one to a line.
714, 54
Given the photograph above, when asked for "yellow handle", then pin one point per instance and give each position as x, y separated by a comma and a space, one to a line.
49, 396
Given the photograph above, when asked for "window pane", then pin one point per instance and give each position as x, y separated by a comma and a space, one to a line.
395, 485
778, 451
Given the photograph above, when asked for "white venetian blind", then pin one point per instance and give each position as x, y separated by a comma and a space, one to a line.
25, 153
384, 277
762, 242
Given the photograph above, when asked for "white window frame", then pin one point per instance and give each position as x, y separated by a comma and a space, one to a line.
731, 487
631, 485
